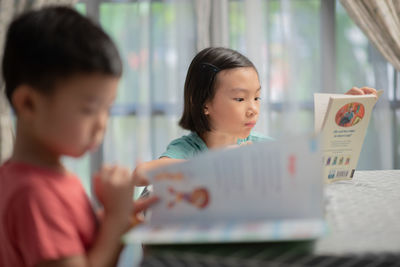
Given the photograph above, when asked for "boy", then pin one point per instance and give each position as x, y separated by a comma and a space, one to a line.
61, 73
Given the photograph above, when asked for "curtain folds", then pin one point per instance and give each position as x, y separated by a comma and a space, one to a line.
380, 22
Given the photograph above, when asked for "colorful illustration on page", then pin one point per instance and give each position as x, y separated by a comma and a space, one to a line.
292, 165
350, 114
198, 197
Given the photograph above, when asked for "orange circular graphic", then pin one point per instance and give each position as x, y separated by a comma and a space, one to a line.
350, 114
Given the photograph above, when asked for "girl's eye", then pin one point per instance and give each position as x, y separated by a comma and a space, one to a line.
239, 99
257, 98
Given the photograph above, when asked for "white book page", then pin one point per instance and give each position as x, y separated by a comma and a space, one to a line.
265, 181
321, 102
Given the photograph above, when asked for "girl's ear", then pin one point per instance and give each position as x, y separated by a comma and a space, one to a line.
24, 101
206, 112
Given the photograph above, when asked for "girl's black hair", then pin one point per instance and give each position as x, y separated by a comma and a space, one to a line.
200, 84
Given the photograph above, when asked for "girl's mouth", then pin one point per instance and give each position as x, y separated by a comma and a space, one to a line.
250, 124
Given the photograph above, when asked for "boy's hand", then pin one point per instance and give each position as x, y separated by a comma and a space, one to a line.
361, 91
113, 187
141, 205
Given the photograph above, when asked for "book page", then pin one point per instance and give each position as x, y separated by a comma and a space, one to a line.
321, 102
272, 180
258, 192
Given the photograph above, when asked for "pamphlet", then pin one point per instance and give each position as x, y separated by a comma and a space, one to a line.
260, 192
342, 120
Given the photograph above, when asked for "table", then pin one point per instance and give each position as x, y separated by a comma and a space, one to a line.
363, 218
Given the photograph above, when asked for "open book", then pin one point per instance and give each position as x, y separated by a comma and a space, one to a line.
342, 121
260, 192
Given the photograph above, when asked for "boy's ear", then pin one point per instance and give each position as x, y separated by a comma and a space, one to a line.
24, 100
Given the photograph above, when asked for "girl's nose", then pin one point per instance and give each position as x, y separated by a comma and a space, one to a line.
252, 110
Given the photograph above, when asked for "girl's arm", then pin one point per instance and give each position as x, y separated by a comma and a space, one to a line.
139, 174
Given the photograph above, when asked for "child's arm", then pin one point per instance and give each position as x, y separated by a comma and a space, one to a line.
114, 188
139, 174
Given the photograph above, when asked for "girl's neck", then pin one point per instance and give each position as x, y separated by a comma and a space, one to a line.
28, 149
218, 140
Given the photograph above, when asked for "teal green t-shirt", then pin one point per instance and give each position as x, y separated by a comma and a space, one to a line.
190, 145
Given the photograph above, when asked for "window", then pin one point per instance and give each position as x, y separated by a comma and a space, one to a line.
157, 41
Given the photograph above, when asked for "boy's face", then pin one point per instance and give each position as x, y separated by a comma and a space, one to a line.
234, 109
72, 119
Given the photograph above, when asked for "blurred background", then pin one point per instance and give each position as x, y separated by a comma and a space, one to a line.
298, 46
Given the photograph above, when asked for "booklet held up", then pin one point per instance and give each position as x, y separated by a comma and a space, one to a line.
342, 120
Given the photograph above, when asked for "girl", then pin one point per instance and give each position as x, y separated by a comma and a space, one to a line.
221, 106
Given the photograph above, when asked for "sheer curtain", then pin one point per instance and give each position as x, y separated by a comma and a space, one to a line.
380, 21
299, 47
157, 41
289, 42
359, 63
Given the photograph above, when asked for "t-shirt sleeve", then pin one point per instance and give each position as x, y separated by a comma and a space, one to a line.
41, 227
179, 149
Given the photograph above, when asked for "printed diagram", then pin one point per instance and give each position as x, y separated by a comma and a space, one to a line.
335, 160
198, 197
350, 114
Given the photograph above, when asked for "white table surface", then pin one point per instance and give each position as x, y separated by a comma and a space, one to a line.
363, 214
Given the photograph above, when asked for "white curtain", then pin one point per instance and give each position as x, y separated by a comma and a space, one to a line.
380, 22
158, 39
292, 66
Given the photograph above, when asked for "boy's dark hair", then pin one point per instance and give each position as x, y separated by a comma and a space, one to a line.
45, 46
200, 84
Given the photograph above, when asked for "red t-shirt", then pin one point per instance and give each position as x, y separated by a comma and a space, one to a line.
44, 215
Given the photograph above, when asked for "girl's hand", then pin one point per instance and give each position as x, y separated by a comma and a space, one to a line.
361, 91
241, 144
246, 143
139, 176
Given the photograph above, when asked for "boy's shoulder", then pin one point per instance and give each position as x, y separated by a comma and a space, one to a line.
33, 180
43, 210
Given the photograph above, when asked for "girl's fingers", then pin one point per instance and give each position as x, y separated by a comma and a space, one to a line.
361, 91
369, 90
355, 91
